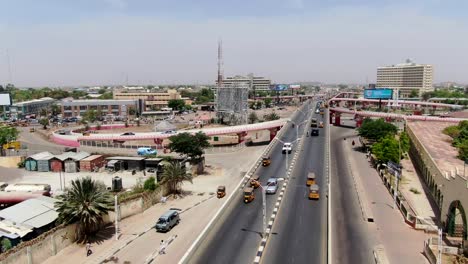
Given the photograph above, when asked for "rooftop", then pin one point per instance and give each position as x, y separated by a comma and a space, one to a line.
438, 145
35, 212
92, 157
125, 158
41, 156
41, 100
72, 155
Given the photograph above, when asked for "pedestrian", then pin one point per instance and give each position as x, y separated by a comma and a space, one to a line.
88, 249
353, 143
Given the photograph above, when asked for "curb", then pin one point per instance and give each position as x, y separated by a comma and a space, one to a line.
363, 204
380, 256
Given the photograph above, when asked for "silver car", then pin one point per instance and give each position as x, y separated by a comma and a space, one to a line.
272, 186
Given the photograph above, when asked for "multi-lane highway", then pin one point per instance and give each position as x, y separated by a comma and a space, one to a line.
236, 236
300, 230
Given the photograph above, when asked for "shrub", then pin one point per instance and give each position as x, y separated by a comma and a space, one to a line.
21, 164
150, 184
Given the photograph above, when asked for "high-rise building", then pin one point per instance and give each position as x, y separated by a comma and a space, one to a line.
406, 78
253, 82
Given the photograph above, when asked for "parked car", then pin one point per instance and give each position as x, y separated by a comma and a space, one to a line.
167, 221
128, 134
169, 132
272, 186
146, 151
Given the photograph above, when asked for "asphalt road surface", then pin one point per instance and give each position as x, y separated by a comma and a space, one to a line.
352, 240
236, 236
300, 230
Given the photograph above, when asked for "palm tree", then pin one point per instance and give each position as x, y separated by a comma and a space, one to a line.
173, 176
85, 203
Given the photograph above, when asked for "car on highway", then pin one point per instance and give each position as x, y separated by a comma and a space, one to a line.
170, 132
146, 151
128, 134
287, 148
314, 132
272, 186
167, 221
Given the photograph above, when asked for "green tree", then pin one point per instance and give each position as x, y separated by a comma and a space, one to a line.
414, 94
55, 109
268, 102
106, 96
404, 142
253, 118
150, 184
386, 149
173, 176
6, 244
376, 129
132, 111
176, 104
271, 116
44, 122
102, 91
43, 112
7, 134
189, 145
84, 203
90, 115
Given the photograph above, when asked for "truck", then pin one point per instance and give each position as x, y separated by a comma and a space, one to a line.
313, 122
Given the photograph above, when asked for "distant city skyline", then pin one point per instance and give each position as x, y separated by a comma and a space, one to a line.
97, 42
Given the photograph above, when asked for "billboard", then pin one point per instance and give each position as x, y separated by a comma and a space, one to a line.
279, 87
295, 86
380, 93
5, 99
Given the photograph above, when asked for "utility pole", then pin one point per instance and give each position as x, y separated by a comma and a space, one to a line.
116, 210
396, 190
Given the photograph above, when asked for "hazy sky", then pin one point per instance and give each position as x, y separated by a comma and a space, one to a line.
87, 42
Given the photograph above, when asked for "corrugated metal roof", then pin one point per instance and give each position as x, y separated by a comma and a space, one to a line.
14, 228
35, 212
92, 157
41, 156
72, 155
125, 158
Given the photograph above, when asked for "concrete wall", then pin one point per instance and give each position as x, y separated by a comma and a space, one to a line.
445, 188
10, 162
41, 248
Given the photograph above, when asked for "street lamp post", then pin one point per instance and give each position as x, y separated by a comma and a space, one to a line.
396, 190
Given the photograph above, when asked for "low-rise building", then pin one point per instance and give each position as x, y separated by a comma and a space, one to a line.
253, 82
106, 107
149, 101
28, 219
32, 107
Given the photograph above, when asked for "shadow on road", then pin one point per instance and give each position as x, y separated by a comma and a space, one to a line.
253, 231
104, 234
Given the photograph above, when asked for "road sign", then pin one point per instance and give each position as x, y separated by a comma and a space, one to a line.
394, 168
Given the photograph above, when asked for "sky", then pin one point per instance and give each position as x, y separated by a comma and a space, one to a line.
105, 42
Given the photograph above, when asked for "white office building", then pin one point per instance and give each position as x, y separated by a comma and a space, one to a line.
405, 78
253, 82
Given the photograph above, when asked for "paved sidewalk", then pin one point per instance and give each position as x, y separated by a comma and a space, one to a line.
401, 243
419, 202
198, 209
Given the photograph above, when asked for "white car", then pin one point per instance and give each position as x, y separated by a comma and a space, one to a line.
287, 147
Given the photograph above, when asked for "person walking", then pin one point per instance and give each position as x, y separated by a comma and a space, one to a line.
88, 249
